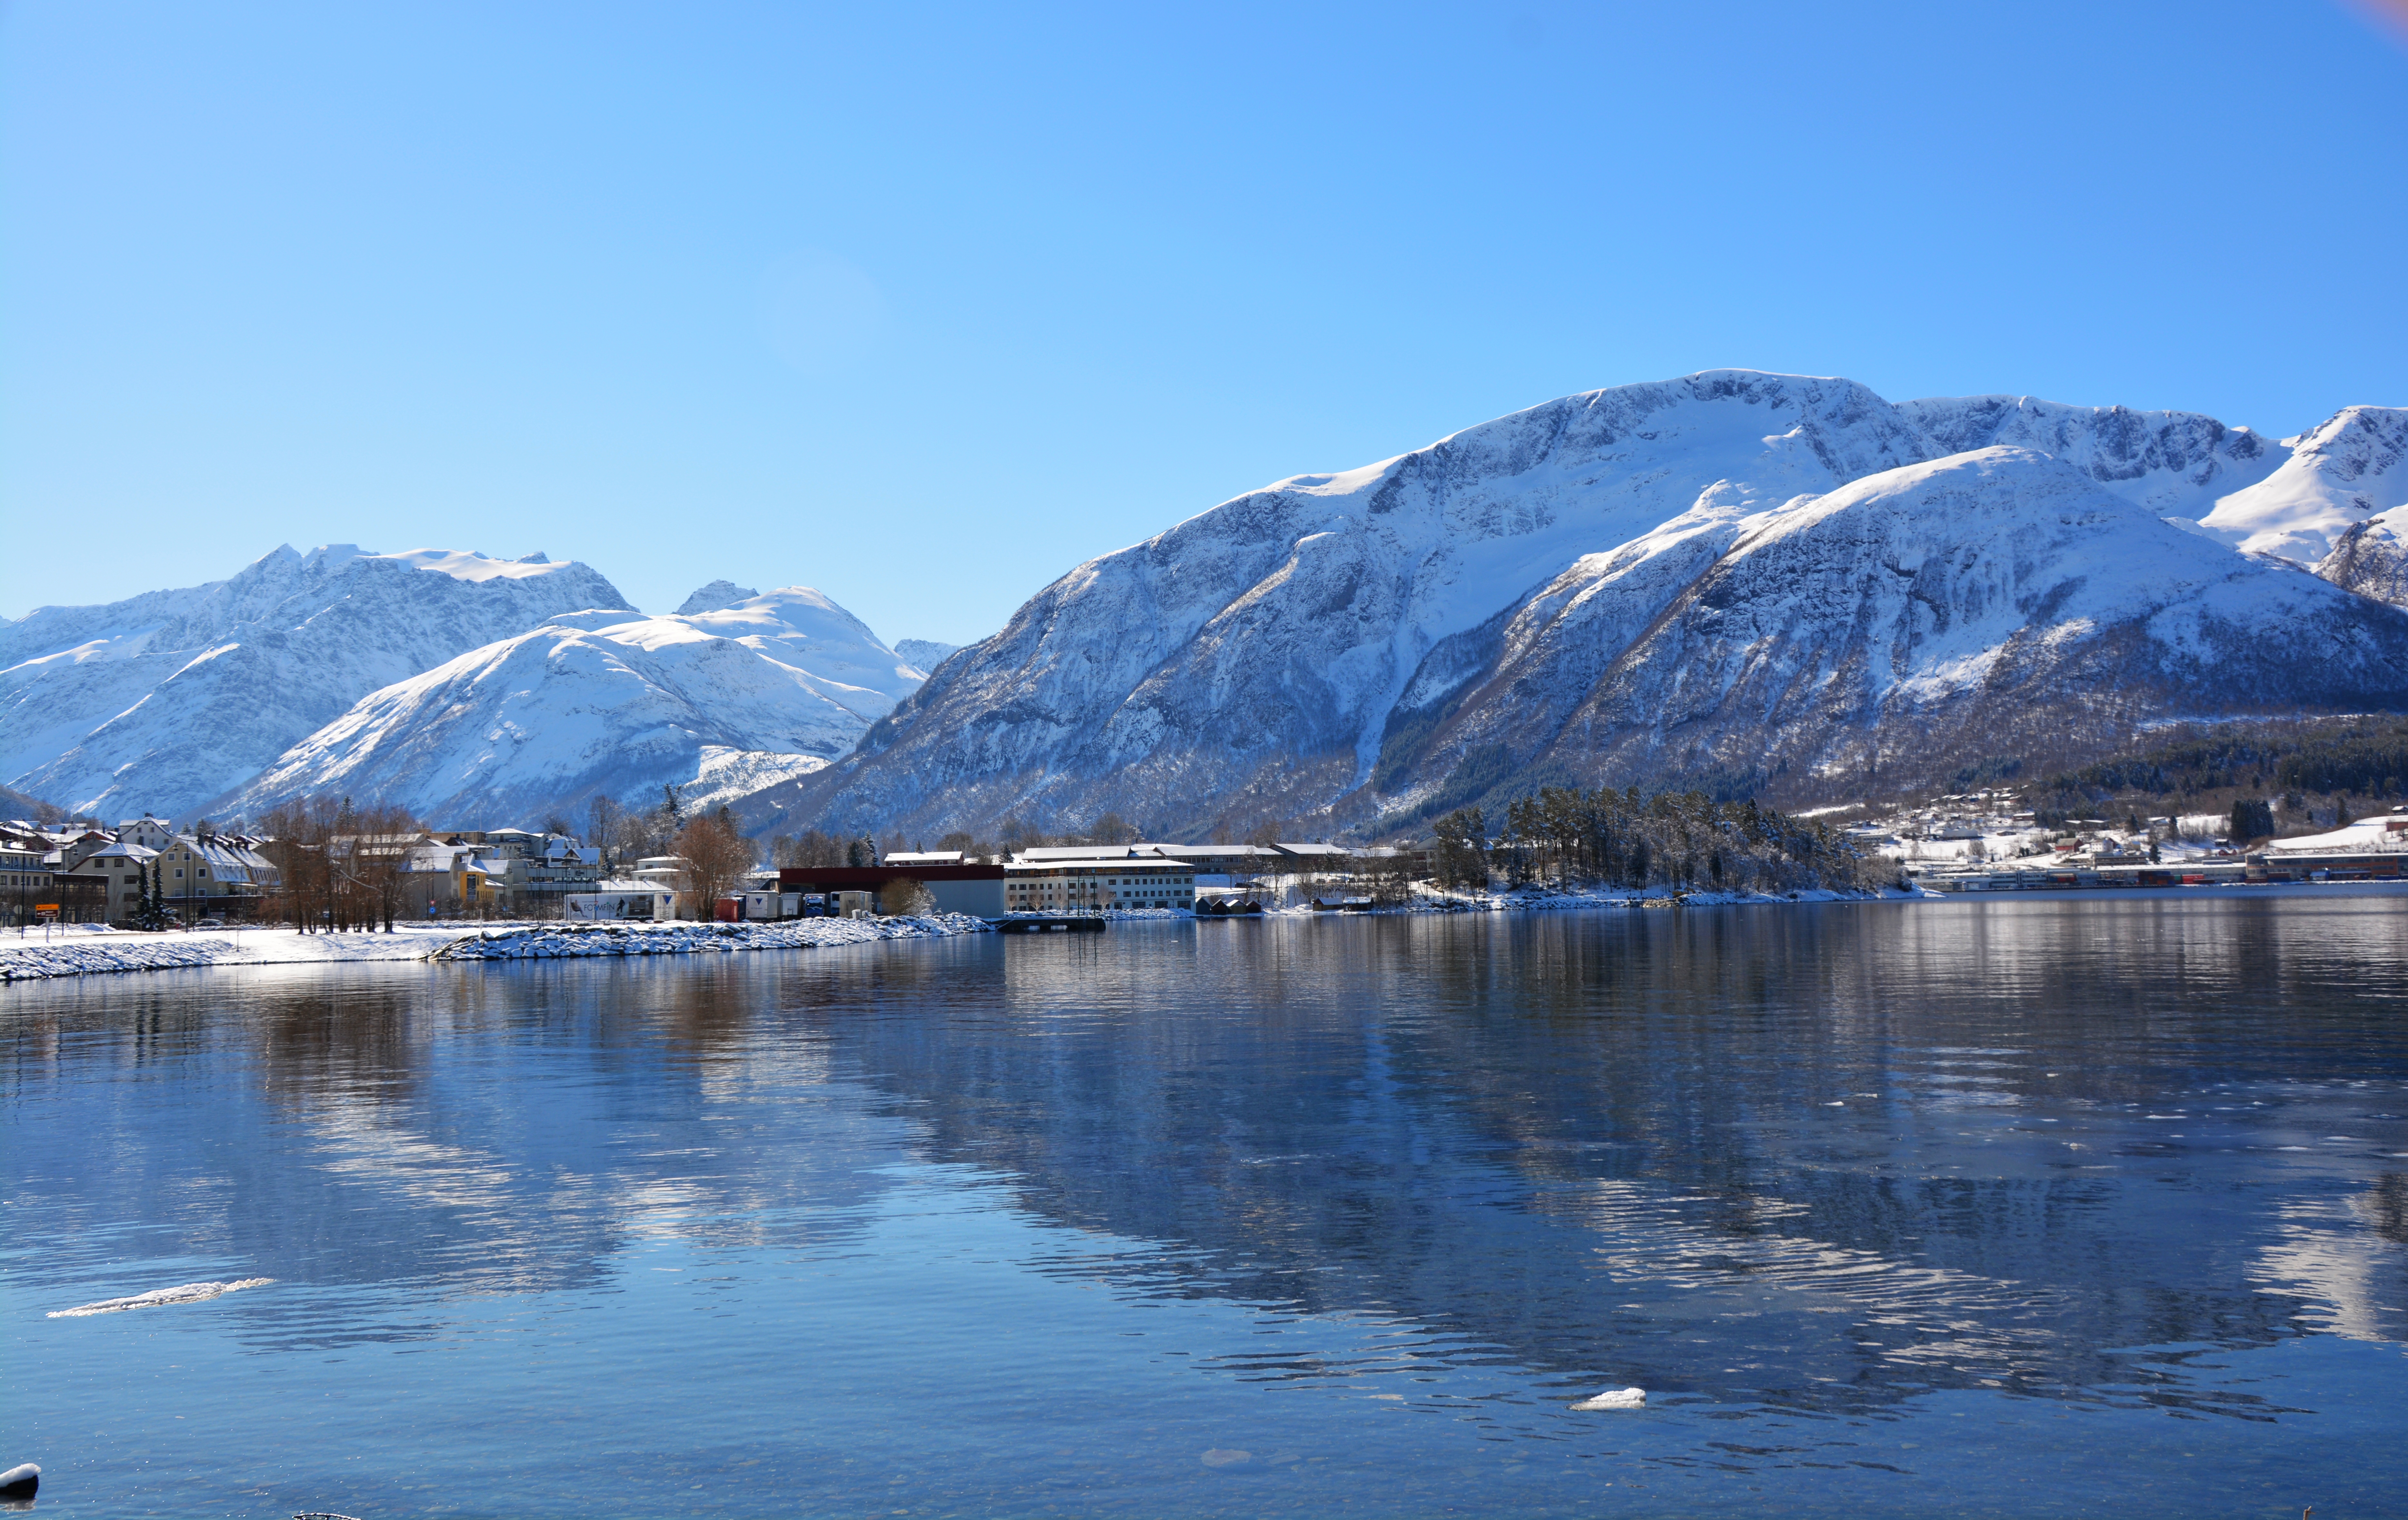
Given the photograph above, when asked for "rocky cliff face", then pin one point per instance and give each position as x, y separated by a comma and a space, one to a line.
719, 702
1349, 646
164, 701
2371, 558
2176, 463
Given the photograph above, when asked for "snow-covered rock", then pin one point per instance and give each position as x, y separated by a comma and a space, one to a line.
166, 700
719, 703
562, 942
2371, 558
1340, 645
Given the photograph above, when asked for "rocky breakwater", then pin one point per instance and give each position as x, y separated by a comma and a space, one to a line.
560, 941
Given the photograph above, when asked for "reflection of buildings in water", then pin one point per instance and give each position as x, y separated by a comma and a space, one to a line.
437, 1134
2344, 1257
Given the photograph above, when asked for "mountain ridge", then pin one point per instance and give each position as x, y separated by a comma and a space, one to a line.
166, 700
1255, 661
719, 702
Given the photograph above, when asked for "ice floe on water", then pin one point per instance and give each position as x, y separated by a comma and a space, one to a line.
188, 1293
1615, 1399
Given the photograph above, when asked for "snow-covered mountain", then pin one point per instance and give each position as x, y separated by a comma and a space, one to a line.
928, 653
720, 702
166, 700
714, 597
1347, 645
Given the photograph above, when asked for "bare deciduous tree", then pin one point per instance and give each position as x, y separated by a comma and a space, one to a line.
811, 848
716, 857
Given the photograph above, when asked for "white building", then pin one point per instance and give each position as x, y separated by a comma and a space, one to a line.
1085, 884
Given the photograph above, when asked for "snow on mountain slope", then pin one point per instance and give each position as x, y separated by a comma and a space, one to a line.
722, 702
1247, 659
2351, 467
2291, 496
2371, 558
166, 700
1956, 607
1338, 641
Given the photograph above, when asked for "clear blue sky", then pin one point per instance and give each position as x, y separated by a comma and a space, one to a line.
923, 304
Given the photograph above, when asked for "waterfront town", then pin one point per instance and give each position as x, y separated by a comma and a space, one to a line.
144, 873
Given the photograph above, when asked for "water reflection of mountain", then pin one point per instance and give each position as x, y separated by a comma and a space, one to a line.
1825, 1156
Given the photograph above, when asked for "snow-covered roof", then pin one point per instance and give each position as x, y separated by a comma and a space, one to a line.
138, 854
2388, 832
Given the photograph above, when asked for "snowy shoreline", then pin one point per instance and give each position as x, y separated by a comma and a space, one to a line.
82, 952
86, 951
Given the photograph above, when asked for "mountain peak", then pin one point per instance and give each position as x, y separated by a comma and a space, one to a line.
714, 597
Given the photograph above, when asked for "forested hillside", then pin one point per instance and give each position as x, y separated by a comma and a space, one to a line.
1679, 840
2365, 758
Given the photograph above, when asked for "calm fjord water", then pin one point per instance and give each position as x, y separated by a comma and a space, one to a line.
2030, 1209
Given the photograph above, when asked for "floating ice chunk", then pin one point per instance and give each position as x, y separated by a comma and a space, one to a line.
188, 1293
1615, 1399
